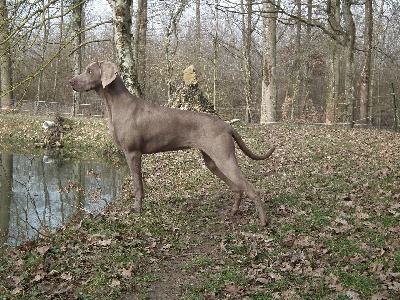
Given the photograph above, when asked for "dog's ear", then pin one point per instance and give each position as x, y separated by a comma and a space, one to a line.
108, 72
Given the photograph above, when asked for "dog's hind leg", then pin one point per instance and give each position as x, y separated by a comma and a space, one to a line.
237, 193
228, 170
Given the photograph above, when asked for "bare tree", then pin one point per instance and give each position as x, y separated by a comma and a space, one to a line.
140, 43
246, 54
297, 65
123, 43
198, 27
381, 33
5, 59
308, 48
77, 26
171, 40
268, 98
60, 41
349, 42
333, 12
215, 54
366, 71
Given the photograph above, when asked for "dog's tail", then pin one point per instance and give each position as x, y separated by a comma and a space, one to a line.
247, 151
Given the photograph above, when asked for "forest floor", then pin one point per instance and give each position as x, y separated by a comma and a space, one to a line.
332, 195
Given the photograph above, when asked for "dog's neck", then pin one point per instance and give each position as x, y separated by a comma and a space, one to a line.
100, 91
116, 87
115, 92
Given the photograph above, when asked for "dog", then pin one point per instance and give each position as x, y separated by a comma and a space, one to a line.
140, 127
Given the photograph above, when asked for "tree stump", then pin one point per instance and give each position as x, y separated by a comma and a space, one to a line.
188, 95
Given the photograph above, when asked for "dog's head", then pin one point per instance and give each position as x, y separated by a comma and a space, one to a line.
96, 76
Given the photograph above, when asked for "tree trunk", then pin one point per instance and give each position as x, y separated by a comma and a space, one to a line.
366, 71
60, 41
198, 28
122, 21
296, 107
246, 57
307, 50
77, 25
171, 42
333, 11
349, 59
6, 100
380, 30
6, 183
268, 97
46, 29
215, 56
334, 77
140, 43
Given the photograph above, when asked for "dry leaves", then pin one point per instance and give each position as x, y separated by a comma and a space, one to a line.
332, 195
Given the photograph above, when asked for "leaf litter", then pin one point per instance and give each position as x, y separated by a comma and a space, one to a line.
333, 197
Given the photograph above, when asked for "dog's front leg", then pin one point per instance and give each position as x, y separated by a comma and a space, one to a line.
134, 160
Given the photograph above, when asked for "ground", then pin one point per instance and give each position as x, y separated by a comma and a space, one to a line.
332, 195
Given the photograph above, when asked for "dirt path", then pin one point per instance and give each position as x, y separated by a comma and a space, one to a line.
173, 272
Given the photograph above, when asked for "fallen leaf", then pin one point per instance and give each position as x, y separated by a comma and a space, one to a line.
290, 294
66, 276
353, 295
380, 296
127, 273
104, 243
115, 282
43, 250
16, 291
16, 279
37, 278
232, 288
394, 286
262, 280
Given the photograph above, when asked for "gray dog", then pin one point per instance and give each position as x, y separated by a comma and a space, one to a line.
141, 127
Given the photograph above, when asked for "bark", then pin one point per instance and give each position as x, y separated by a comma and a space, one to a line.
268, 97
122, 21
215, 55
366, 71
77, 25
297, 68
333, 11
307, 56
140, 43
60, 40
198, 28
42, 53
5, 60
380, 30
6, 183
171, 41
246, 57
350, 32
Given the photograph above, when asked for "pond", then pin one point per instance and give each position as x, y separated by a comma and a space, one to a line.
42, 193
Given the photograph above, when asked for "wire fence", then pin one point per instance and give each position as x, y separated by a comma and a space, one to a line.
383, 118
53, 108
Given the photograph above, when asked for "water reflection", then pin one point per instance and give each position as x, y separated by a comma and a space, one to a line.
39, 193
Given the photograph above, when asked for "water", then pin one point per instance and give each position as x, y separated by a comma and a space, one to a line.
42, 193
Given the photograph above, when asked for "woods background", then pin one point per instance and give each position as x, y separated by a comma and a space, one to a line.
332, 61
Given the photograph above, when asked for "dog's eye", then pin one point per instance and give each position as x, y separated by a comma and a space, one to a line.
89, 71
